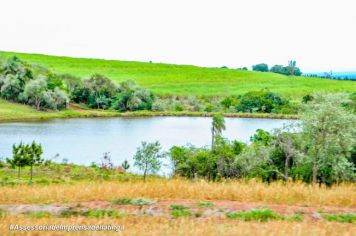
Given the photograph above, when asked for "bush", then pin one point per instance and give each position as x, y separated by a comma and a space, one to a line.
132, 201
260, 67
343, 218
261, 215
261, 101
180, 211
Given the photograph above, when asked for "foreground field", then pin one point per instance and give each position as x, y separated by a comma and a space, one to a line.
181, 207
66, 194
167, 79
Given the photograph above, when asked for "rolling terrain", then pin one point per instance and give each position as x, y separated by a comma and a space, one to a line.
186, 80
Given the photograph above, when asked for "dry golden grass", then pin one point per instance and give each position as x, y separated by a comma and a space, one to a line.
343, 195
163, 226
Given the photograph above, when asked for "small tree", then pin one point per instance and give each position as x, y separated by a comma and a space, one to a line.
148, 158
218, 125
34, 155
19, 157
125, 165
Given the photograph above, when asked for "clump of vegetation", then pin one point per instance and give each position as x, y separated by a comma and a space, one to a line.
132, 201
3, 213
261, 215
205, 204
261, 101
96, 213
26, 155
343, 217
32, 85
101, 93
180, 211
295, 217
39, 214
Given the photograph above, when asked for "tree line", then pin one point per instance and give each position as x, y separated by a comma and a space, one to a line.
291, 69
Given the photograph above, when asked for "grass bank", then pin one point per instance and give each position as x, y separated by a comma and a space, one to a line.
186, 80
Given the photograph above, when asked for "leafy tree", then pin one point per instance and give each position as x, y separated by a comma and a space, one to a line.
217, 126
34, 153
261, 101
262, 136
329, 138
291, 67
148, 158
19, 157
260, 67
131, 97
26, 155
34, 92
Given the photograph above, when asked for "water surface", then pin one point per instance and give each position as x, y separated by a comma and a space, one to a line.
83, 141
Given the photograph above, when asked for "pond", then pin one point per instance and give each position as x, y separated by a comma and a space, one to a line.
83, 141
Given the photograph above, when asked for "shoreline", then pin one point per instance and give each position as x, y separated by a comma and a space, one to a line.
72, 114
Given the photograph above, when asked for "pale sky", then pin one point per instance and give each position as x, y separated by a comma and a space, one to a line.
319, 34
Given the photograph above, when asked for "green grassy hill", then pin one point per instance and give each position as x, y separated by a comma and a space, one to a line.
168, 79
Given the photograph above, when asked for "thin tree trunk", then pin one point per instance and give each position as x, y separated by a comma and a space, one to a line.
212, 137
286, 167
18, 172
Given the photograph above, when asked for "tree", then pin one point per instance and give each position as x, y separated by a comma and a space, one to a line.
291, 67
26, 155
286, 142
329, 136
34, 155
148, 158
19, 157
218, 125
125, 165
34, 91
260, 67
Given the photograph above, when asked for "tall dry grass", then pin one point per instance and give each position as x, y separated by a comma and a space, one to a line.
343, 195
163, 226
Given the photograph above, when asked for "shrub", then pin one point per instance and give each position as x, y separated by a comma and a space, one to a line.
180, 211
132, 201
261, 215
205, 204
260, 101
343, 217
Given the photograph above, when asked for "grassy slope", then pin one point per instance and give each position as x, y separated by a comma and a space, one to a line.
14, 112
167, 79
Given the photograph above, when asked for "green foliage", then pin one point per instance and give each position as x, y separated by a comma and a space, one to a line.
262, 137
260, 67
39, 214
97, 213
290, 69
26, 155
180, 211
18, 83
261, 101
125, 165
294, 217
342, 217
217, 126
132, 201
148, 158
329, 138
205, 204
261, 215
